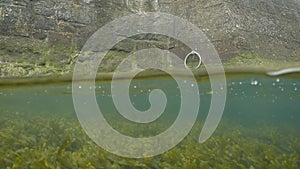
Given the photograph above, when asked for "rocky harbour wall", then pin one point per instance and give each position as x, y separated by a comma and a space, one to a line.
53, 31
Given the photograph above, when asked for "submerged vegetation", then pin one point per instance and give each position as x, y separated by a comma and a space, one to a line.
56, 141
39, 128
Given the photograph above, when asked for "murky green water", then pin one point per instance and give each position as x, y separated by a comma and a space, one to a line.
259, 129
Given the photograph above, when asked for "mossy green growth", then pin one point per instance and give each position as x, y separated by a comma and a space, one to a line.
26, 69
58, 141
252, 60
249, 59
247, 62
26, 57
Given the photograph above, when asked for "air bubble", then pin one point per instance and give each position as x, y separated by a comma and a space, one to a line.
254, 82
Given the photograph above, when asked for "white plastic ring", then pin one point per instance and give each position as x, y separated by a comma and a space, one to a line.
187, 56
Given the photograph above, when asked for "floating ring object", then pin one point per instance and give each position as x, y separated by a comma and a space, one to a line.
187, 56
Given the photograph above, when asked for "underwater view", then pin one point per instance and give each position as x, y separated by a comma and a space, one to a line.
259, 128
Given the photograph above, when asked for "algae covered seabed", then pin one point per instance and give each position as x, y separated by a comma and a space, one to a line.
259, 129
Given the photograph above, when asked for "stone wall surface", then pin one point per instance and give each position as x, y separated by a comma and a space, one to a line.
41, 31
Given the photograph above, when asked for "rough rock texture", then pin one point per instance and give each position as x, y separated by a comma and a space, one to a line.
42, 31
